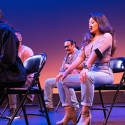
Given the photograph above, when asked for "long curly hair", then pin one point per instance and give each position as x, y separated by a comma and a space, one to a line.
104, 27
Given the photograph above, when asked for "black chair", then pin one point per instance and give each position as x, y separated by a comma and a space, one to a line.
33, 64
118, 66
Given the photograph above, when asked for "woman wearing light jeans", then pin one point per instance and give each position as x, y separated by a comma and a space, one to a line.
98, 47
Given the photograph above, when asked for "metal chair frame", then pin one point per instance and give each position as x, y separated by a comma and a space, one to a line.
32, 89
118, 66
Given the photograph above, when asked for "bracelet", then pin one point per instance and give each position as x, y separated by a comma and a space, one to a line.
85, 66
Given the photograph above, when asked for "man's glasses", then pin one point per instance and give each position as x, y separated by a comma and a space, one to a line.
67, 46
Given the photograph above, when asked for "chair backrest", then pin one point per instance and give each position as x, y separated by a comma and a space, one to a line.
35, 63
117, 64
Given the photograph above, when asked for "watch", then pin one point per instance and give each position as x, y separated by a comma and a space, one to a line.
85, 66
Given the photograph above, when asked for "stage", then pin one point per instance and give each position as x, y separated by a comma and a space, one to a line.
117, 117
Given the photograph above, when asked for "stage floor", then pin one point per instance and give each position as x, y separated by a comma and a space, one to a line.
117, 117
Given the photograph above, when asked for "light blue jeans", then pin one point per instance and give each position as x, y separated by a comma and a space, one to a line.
97, 75
48, 93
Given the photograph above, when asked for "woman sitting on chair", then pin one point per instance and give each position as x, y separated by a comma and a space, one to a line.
98, 47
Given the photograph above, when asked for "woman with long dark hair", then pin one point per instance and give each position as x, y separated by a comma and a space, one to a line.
98, 47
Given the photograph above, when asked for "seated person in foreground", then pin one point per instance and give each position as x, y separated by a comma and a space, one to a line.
24, 52
12, 71
50, 83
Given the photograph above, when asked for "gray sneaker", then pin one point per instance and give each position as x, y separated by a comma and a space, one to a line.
11, 112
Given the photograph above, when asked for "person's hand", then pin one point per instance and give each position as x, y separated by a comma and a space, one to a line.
83, 75
66, 66
61, 76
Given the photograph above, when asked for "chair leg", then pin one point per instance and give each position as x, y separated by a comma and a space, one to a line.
40, 104
44, 106
4, 109
114, 99
103, 107
24, 110
19, 106
1, 101
78, 117
102, 103
57, 105
2, 98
